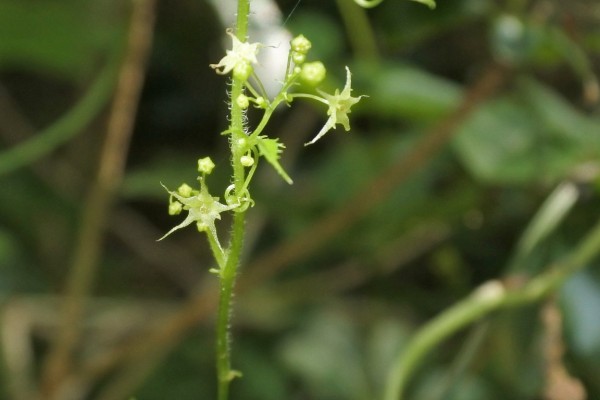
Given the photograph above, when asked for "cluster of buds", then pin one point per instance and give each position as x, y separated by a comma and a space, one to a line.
202, 207
299, 47
311, 73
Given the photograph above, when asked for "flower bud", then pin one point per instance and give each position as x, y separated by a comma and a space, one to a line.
205, 165
185, 190
298, 58
261, 102
242, 101
247, 161
242, 71
175, 208
313, 73
300, 44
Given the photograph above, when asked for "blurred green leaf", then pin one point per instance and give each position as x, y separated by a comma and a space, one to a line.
407, 26
515, 40
387, 337
326, 356
559, 118
536, 136
470, 387
399, 90
498, 144
60, 37
263, 378
580, 298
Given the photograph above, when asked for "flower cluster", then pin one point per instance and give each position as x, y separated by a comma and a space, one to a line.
202, 207
251, 145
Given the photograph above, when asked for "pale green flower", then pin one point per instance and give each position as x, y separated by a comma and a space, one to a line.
241, 55
202, 208
339, 108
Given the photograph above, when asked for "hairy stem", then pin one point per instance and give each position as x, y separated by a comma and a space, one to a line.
228, 273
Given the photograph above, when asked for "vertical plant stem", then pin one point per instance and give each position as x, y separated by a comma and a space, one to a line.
359, 31
224, 372
227, 277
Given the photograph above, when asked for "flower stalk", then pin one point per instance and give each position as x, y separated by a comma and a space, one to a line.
247, 147
228, 272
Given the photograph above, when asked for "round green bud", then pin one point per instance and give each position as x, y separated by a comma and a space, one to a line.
247, 161
313, 73
298, 58
261, 102
242, 71
185, 190
300, 44
175, 208
242, 101
205, 165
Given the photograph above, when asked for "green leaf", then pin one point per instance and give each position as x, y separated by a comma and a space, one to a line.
62, 38
271, 149
328, 340
533, 136
400, 90
580, 299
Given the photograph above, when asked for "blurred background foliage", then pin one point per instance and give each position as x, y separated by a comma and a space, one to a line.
379, 233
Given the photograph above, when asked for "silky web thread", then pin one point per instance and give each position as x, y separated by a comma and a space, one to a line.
291, 12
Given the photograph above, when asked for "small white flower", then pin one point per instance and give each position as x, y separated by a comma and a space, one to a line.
242, 54
339, 108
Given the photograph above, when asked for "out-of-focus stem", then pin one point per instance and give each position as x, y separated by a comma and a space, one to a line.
110, 172
489, 297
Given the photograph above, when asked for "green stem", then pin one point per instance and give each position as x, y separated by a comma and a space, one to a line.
227, 281
216, 249
228, 274
490, 297
358, 28
274, 104
67, 126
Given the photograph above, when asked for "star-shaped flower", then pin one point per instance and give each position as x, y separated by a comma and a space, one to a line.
241, 55
202, 208
339, 108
